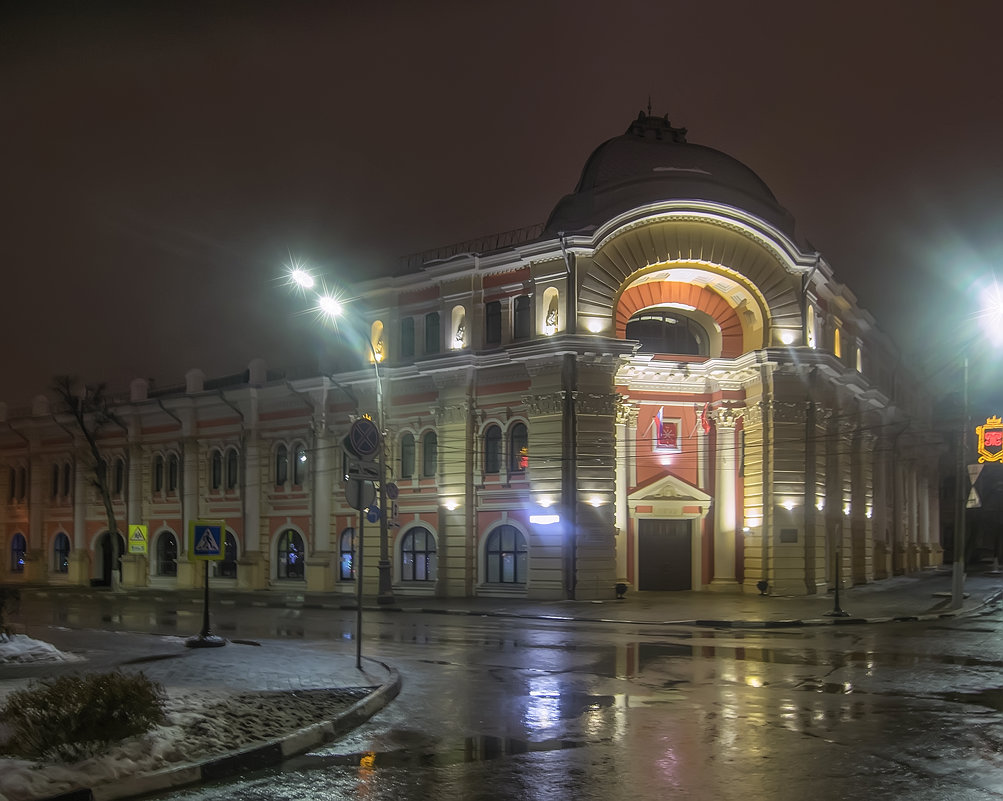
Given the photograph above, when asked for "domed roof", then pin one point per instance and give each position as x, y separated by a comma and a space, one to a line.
653, 162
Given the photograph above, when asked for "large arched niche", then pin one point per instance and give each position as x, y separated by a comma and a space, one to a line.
734, 337
713, 248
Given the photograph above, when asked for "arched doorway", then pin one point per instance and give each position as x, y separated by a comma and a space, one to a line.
106, 558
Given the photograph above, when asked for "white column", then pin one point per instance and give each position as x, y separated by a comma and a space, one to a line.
252, 489
724, 499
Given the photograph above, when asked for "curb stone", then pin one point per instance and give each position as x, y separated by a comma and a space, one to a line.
256, 757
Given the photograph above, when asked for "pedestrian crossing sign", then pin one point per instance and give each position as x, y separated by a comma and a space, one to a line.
138, 543
206, 539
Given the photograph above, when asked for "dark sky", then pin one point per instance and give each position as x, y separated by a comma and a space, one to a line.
159, 166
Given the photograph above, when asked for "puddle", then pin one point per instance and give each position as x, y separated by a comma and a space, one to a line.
472, 749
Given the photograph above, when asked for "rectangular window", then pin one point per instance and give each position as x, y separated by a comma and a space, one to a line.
521, 324
407, 337
492, 322
432, 332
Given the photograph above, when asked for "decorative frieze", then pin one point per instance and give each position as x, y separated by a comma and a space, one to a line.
542, 405
449, 413
786, 412
592, 403
727, 417
626, 412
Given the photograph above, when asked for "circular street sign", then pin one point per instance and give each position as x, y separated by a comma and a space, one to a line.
392, 491
373, 514
364, 437
359, 493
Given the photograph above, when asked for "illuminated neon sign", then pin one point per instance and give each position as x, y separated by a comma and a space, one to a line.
990, 440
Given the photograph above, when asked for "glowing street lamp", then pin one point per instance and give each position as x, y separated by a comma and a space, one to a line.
332, 308
990, 317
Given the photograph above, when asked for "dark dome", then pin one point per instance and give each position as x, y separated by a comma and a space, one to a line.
653, 162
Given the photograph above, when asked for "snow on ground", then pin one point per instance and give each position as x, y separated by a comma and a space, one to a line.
199, 725
18, 649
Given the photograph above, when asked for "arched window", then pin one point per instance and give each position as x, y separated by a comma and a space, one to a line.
12, 494
167, 554
522, 325
299, 465
281, 465
407, 455
61, 553
419, 561
119, 477
346, 564
18, 547
518, 448
837, 343
232, 469
55, 481
66, 480
492, 450
227, 566
291, 555
506, 556
216, 471
664, 331
158, 473
172, 473
22, 483
429, 454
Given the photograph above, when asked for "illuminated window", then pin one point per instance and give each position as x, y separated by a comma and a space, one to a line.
167, 554
860, 359
522, 325
429, 454
346, 568
61, 553
492, 322
837, 345
407, 337
492, 450
18, 548
299, 464
407, 455
432, 332
663, 331
518, 451
290, 555
810, 325
506, 556
419, 561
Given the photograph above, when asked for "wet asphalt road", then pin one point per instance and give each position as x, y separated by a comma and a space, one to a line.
519, 709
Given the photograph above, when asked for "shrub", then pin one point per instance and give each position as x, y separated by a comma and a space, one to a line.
10, 602
73, 717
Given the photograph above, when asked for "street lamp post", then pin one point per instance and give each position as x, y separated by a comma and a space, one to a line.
330, 307
961, 498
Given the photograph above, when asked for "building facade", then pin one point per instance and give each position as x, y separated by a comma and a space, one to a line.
663, 386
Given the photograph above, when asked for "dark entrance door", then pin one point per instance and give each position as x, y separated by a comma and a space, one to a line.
664, 555
108, 558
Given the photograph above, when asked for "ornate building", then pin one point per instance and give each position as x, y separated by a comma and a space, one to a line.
663, 386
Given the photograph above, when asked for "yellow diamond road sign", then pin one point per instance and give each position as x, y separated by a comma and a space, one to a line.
138, 542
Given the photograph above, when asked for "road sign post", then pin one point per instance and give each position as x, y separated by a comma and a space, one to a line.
206, 543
